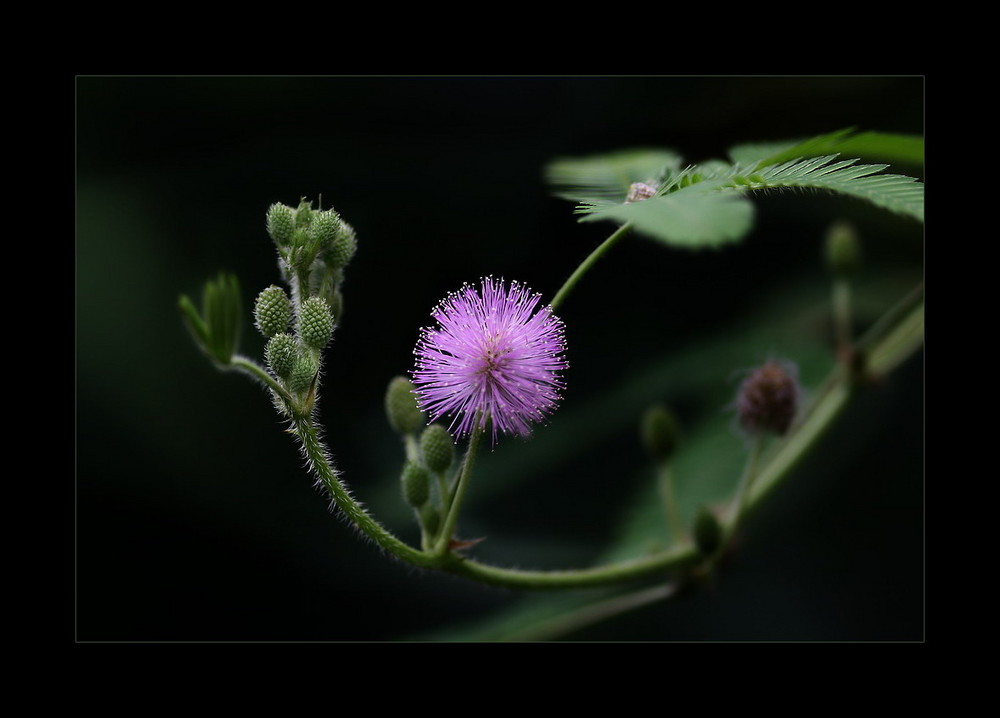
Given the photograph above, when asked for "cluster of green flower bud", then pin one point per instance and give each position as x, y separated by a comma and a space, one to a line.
314, 246
431, 454
293, 358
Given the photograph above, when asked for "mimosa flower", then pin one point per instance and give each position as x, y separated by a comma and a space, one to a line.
493, 354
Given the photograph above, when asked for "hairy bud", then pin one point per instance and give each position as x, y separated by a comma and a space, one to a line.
769, 398
280, 224
401, 407
343, 247
325, 227
315, 322
437, 448
303, 372
273, 311
280, 354
303, 213
416, 484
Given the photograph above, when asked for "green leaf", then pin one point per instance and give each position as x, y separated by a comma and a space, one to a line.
897, 193
695, 216
193, 321
705, 205
877, 146
217, 328
607, 177
769, 153
883, 147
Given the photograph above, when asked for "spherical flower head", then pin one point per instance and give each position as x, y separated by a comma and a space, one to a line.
768, 398
494, 354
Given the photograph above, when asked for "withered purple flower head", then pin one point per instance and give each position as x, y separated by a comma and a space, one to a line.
493, 354
768, 398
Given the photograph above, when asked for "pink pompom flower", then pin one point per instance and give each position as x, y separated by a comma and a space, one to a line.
493, 354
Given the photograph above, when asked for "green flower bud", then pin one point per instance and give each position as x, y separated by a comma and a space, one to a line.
659, 432
280, 354
842, 248
303, 371
304, 213
430, 518
280, 224
707, 532
325, 227
401, 406
273, 311
437, 448
344, 245
315, 322
416, 484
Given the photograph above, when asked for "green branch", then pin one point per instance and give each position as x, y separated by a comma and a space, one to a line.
779, 465
587, 264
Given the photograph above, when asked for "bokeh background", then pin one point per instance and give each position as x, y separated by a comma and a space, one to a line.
194, 518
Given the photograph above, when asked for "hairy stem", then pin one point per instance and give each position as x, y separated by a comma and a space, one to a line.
891, 348
316, 454
253, 369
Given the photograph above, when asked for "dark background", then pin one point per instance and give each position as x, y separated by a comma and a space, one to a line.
194, 518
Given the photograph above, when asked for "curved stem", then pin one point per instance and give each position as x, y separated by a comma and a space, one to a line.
589, 262
316, 454
631, 570
248, 366
891, 350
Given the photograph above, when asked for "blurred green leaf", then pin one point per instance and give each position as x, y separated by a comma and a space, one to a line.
218, 332
607, 177
873, 146
692, 217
